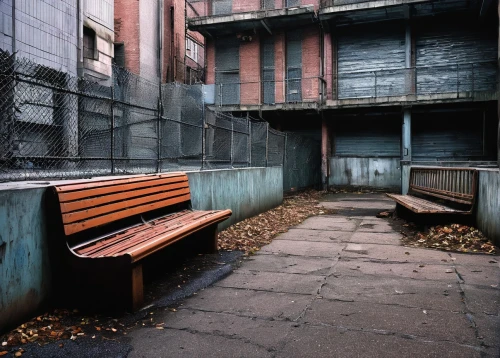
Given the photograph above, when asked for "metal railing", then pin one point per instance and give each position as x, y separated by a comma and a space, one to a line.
271, 92
203, 8
461, 79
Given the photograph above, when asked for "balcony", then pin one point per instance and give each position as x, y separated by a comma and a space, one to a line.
407, 86
288, 94
432, 84
228, 16
348, 12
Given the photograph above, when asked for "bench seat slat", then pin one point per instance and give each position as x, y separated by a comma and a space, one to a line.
75, 206
422, 206
147, 238
96, 191
126, 212
127, 235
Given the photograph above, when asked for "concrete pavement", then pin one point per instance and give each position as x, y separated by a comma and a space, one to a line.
339, 286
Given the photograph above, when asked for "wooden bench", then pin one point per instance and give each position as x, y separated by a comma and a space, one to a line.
438, 190
110, 226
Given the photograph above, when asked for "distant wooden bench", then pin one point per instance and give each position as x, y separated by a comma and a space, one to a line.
440, 191
110, 226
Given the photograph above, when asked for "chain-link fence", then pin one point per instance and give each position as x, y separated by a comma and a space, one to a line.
54, 126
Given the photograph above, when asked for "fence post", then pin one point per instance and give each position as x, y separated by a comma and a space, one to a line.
249, 158
203, 144
158, 136
375, 73
267, 143
284, 152
112, 156
232, 143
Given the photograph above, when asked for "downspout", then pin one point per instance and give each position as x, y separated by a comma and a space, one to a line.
14, 47
160, 101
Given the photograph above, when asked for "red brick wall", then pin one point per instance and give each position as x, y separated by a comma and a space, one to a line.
245, 5
174, 43
310, 64
279, 67
127, 31
311, 2
250, 71
328, 65
210, 62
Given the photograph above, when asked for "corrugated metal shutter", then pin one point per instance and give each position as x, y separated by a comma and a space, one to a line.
294, 66
268, 84
373, 137
227, 71
441, 45
447, 136
362, 50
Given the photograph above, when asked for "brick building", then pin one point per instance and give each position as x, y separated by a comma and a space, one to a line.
384, 84
152, 41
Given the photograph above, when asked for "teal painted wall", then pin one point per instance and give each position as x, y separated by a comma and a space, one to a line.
488, 204
24, 264
25, 279
247, 192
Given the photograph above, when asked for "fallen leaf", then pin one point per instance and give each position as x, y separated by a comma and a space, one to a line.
2, 353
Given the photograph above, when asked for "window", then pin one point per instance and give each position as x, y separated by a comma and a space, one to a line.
192, 50
119, 59
89, 44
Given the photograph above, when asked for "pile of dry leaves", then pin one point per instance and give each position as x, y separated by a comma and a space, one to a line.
55, 326
251, 234
454, 237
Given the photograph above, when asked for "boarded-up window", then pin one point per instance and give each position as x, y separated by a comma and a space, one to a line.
267, 60
227, 71
89, 44
294, 66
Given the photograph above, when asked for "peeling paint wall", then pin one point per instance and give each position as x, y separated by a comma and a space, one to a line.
372, 172
488, 204
24, 264
247, 192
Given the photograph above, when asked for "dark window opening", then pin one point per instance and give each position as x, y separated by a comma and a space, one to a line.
89, 44
119, 59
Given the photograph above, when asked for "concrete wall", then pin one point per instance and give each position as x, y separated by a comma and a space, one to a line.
99, 16
488, 204
148, 39
24, 264
25, 281
371, 172
247, 192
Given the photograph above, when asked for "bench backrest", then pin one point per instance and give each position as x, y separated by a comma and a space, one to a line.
454, 184
85, 205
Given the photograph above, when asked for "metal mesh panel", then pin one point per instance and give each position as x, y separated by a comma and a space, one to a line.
276, 148
294, 66
302, 166
259, 143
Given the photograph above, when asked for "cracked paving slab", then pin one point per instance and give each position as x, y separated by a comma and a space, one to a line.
288, 264
178, 343
426, 324
260, 332
274, 282
394, 291
376, 238
395, 254
304, 248
323, 341
326, 223
262, 304
315, 235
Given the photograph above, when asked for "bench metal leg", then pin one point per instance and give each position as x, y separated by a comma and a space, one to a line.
137, 287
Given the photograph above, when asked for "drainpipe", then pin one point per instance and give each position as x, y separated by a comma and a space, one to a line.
324, 152
14, 47
498, 90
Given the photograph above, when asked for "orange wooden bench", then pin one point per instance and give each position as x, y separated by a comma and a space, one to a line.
440, 190
111, 225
